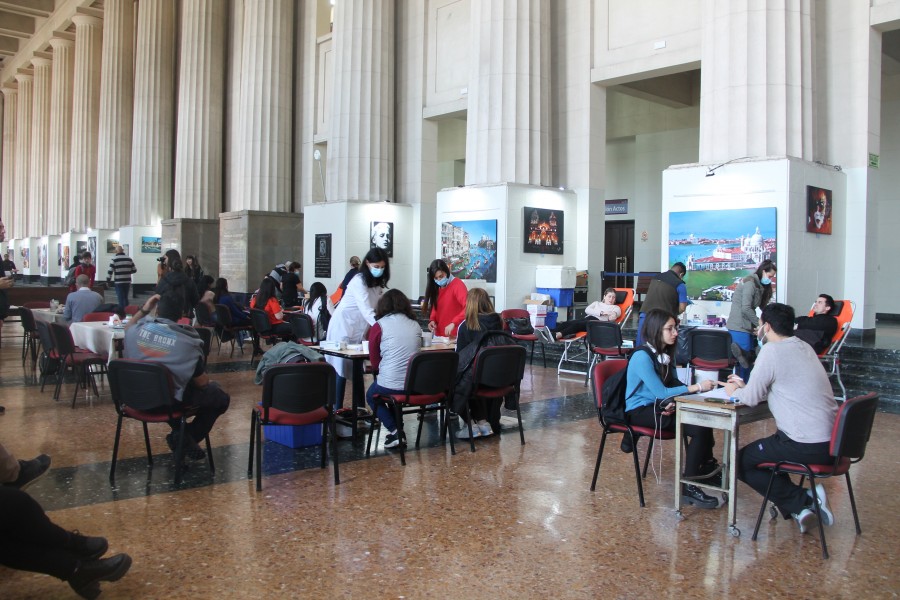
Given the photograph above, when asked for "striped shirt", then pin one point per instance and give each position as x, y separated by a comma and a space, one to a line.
120, 269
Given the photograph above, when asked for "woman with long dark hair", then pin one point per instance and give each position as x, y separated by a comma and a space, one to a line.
267, 301
175, 280
445, 298
193, 270
319, 307
649, 399
754, 291
223, 296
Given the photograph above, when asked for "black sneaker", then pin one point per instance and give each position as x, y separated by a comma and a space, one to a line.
88, 547
192, 450
691, 494
626, 446
711, 473
743, 357
30, 471
88, 574
392, 440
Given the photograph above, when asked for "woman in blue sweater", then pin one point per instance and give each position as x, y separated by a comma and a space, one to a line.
651, 381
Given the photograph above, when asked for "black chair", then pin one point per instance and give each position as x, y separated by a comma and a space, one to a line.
430, 377
226, 328
709, 350
30, 335
144, 391
849, 437
604, 340
303, 329
81, 361
262, 332
498, 375
206, 336
206, 320
48, 360
521, 313
295, 394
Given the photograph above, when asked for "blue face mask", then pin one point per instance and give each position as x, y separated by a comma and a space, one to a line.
760, 340
376, 272
765, 280
443, 282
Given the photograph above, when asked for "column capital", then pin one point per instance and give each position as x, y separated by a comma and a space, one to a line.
59, 42
40, 61
8, 89
82, 20
24, 76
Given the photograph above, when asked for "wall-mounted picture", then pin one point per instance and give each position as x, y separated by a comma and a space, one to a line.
470, 249
66, 258
323, 255
151, 245
42, 258
818, 210
92, 247
80, 248
381, 235
720, 247
26, 258
111, 246
543, 232
59, 254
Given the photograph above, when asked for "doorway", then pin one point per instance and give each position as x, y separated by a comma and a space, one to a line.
618, 254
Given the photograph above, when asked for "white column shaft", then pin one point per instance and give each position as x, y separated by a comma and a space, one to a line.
7, 185
85, 123
60, 136
23, 155
40, 147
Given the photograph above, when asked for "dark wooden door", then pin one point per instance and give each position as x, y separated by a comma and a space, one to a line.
619, 253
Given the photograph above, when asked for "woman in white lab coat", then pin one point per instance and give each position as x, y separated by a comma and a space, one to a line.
356, 313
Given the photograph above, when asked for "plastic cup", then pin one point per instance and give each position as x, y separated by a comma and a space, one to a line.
426, 339
344, 343
365, 346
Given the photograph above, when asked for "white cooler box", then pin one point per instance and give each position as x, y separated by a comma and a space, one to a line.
554, 277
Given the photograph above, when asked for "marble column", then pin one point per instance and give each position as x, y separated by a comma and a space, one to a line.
154, 112
40, 147
8, 174
263, 180
508, 125
60, 135
361, 121
116, 107
198, 150
85, 123
19, 227
756, 85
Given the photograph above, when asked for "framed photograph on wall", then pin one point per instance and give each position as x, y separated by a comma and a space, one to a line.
323, 255
818, 210
80, 248
543, 231
151, 245
111, 246
92, 247
381, 235
470, 249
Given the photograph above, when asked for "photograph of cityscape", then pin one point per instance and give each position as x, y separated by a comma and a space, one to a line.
720, 247
543, 232
470, 249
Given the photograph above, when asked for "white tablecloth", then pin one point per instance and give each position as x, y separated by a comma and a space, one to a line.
97, 337
48, 316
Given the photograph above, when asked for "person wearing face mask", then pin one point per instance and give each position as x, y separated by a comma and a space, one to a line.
445, 298
754, 291
790, 377
356, 313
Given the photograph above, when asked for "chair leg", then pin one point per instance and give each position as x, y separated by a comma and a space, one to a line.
853, 504
179, 452
112, 466
147, 445
637, 470
532, 352
259, 454
401, 435
421, 421
334, 449
519, 417
209, 456
647, 458
599, 458
253, 418
445, 425
762, 509
323, 447
818, 510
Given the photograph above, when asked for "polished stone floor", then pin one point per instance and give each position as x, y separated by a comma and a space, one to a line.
506, 521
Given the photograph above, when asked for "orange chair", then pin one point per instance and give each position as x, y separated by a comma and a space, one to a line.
625, 302
336, 296
831, 357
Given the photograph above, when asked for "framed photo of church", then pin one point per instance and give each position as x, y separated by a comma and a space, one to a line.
818, 210
542, 231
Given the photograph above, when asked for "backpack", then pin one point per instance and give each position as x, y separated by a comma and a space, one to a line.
520, 325
613, 391
70, 275
323, 320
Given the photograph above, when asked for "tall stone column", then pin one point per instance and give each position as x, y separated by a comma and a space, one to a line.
508, 127
154, 111
85, 123
23, 155
361, 127
199, 151
756, 85
116, 106
60, 135
8, 189
40, 147
263, 180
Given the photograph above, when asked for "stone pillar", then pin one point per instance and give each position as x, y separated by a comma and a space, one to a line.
60, 135
85, 123
116, 106
19, 227
199, 151
40, 147
361, 127
263, 180
8, 189
756, 85
154, 111
508, 127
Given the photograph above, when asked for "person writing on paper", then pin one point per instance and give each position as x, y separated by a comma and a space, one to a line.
790, 377
445, 297
266, 301
651, 378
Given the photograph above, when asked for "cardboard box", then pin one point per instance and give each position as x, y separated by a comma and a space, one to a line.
554, 277
581, 278
537, 309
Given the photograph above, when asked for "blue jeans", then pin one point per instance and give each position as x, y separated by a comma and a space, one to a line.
747, 342
385, 414
122, 290
637, 339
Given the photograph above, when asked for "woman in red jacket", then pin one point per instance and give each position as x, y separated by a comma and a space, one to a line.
445, 297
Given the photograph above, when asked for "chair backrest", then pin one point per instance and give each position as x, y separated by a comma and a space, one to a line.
604, 334
603, 370
302, 327
432, 372
205, 335
46, 336
499, 366
853, 426
62, 339
298, 387
36, 304
223, 315
843, 312
204, 318
141, 385
132, 309
625, 302
336, 296
709, 344
97, 317
27, 319
513, 313
260, 321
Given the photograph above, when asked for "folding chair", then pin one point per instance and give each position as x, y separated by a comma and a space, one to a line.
831, 357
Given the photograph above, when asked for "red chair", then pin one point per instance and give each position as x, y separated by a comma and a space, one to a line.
625, 302
303, 329
262, 332
79, 359
601, 372
29, 335
521, 313
498, 375
97, 317
604, 340
49, 358
849, 437
132, 309
295, 394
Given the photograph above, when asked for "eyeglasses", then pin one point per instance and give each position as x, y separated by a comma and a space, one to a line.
671, 328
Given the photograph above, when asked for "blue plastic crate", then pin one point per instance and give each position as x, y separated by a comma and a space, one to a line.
550, 319
561, 296
295, 436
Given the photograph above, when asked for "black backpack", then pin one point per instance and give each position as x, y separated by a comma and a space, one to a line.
613, 391
323, 320
70, 275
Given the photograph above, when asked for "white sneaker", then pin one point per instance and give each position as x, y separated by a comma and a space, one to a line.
463, 432
484, 427
806, 519
824, 509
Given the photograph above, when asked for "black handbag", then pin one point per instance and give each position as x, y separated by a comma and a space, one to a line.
520, 325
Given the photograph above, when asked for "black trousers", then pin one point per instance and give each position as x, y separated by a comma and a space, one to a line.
210, 402
700, 439
29, 540
567, 328
789, 497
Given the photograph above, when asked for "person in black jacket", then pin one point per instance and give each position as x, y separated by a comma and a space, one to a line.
819, 329
174, 279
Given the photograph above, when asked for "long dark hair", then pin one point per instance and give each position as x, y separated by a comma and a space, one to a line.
220, 289
266, 291
431, 288
206, 284
316, 291
394, 301
375, 255
766, 265
173, 260
652, 332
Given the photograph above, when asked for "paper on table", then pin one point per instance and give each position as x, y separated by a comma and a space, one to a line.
718, 393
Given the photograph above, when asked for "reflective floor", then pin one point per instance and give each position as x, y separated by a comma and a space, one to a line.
509, 520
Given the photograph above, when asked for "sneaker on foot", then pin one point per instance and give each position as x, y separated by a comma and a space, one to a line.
88, 574
30, 471
463, 432
806, 519
484, 427
741, 355
824, 509
88, 547
192, 450
392, 440
691, 494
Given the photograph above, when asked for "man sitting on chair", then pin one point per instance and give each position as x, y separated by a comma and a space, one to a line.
819, 329
179, 348
82, 301
789, 375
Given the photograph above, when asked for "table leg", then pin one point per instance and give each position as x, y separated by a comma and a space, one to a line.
678, 459
731, 439
359, 392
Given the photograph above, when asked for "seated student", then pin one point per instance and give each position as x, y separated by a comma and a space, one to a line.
265, 300
819, 329
291, 286
223, 296
393, 340
82, 301
651, 378
319, 307
604, 309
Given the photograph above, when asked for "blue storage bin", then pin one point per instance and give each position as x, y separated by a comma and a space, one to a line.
561, 296
550, 319
295, 436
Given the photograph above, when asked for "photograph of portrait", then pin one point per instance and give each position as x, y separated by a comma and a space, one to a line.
470, 249
818, 210
543, 231
65, 257
323, 255
381, 235
92, 247
111, 246
80, 248
26, 258
42, 258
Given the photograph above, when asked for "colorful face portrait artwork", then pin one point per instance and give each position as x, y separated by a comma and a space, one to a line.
818, 210
381, 235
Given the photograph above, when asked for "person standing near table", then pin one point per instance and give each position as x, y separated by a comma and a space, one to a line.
291, 286
85, 268
10, 267
667, 292
356, 313
754, 291
82, 301
354, 269
445, 298
121, 268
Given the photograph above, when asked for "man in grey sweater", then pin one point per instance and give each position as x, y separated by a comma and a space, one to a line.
790, 377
